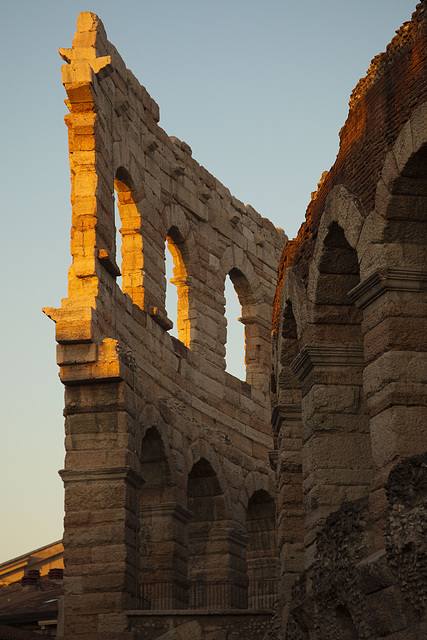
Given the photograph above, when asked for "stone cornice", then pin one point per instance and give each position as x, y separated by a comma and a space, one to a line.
288, 412
393, 279
167, 509
96, 474
326, 356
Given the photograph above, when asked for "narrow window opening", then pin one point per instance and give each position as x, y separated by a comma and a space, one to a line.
177, 287
171, 291
235, 344
119, 238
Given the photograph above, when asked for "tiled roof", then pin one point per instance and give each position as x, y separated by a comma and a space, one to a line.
17, 601
12, 633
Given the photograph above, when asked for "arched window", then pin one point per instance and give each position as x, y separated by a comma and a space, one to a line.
128, 235
171, 303
235, 345
119, 238
177, 285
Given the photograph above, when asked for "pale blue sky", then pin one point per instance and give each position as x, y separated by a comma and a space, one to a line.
258, 89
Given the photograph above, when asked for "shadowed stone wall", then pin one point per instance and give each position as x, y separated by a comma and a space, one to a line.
350, 363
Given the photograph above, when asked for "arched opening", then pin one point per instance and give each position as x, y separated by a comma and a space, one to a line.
394, 299
177, 301
257, 331
210, 542
406, 219
235, 344
162, 549
336, 442
155, 467
118, 238
171, 302
128, 238
289, 391
338, 273
261, 551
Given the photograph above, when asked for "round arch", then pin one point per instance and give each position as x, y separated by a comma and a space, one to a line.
256, 315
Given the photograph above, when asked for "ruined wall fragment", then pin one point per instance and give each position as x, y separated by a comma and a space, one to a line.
164, 449
349, 362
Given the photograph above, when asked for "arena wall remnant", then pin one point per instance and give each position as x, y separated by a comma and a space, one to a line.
169, 497
350, 363
199, 505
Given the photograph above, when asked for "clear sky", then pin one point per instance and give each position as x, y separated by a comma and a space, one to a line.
259, 89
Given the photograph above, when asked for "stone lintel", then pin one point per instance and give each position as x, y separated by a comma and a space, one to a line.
382, 281
167, 509
326, 356
96, 474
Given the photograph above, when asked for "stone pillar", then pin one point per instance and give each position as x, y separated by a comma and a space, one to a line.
336, 458
217, 567
257, 345
286, 421
100, 549
163, 556
394, 304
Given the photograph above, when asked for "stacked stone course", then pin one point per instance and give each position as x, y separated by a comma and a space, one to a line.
350, 368
166, 452
186, 489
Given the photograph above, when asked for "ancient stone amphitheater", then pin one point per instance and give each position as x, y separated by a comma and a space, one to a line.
293, 504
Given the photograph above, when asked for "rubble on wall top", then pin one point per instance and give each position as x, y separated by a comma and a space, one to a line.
380, 63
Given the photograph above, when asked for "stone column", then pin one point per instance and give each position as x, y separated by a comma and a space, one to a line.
217, 567
286, 421
336, 458
100, 549
394, 304
163, 556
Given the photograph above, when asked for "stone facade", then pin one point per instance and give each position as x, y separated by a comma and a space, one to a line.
188, 492
350, 370
169, 496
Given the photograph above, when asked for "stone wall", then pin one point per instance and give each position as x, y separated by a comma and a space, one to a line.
167, 479
221, 625
350, 363
175, 522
